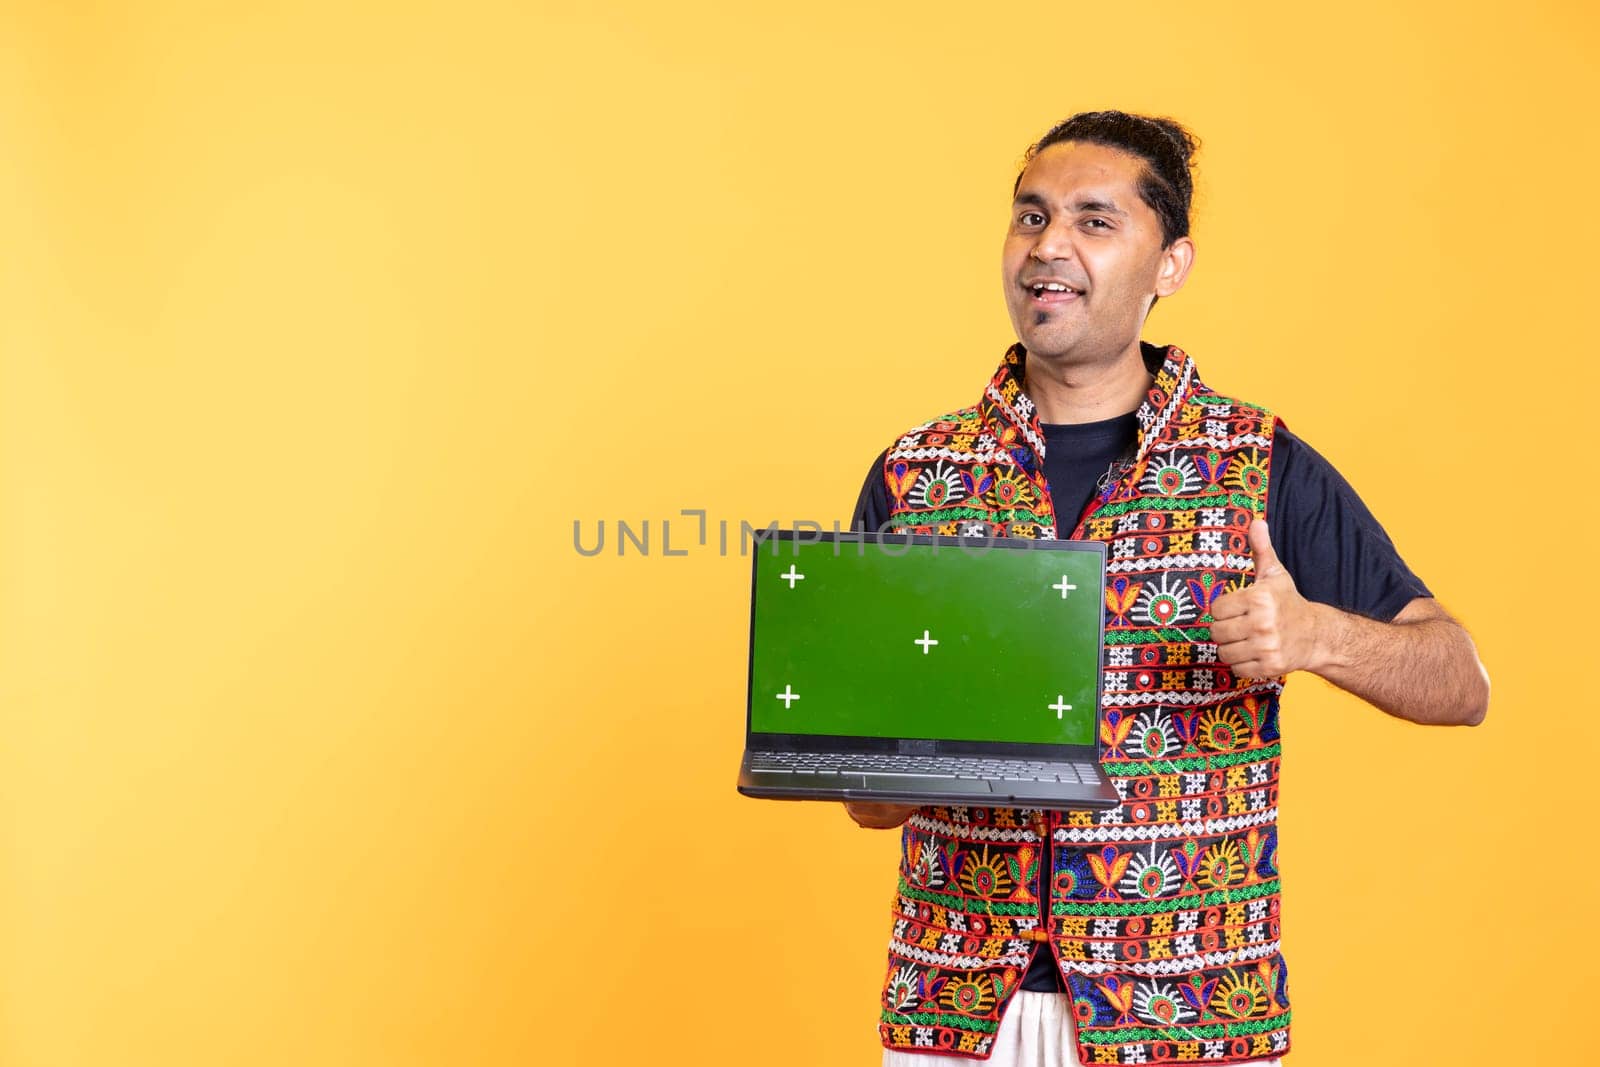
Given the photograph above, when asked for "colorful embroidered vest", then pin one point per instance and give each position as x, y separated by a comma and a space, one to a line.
1163, 912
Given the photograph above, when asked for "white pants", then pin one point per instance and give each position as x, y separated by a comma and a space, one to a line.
1035, 1032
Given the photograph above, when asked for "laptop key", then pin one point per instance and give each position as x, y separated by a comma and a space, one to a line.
880, 772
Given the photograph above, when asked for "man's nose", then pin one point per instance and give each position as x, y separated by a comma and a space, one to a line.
1054, 242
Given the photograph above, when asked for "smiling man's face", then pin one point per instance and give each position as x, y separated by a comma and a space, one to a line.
1083, 255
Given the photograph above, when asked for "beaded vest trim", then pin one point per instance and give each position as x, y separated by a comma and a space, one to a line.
1162, 913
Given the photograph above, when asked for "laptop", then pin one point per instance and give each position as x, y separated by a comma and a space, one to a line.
917, 669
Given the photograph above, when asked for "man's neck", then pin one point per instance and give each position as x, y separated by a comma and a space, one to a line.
1073, 392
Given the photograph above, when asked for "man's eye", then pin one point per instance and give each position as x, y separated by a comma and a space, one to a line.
1031, 218
1096, 224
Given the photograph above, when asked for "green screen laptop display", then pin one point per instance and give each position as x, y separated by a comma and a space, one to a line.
927, 640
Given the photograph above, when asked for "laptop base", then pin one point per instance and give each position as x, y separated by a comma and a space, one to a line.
925, 789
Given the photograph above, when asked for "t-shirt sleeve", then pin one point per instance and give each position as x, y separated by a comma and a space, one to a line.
872, 506
1329, 542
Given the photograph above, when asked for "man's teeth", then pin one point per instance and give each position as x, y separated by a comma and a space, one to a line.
1052, 287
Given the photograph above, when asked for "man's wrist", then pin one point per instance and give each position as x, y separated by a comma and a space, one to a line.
1330, 644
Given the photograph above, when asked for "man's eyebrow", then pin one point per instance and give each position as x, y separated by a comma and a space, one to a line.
1098, 207
1082, 207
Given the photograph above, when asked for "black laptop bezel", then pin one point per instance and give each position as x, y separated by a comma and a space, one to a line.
920, 746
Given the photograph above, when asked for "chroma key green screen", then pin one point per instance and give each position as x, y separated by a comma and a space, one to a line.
972, 642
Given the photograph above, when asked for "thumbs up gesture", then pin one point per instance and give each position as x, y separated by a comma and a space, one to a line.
1266, 629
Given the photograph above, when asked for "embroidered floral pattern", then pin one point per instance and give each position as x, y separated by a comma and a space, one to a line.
1163, 911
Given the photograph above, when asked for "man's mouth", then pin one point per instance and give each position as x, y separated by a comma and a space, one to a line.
1051, 291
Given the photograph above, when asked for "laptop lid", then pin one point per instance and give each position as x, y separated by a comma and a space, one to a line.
923, 644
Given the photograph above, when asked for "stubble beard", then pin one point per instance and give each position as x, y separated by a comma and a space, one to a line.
1077, 348
1074, 345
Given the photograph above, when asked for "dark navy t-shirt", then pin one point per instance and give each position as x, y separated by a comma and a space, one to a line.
1326, 538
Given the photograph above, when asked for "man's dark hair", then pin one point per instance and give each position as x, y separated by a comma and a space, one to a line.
1166, 148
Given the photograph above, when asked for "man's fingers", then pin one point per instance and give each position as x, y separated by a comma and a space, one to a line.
1229, 630
1236, 651
1266, 558
875, 815
1229, 606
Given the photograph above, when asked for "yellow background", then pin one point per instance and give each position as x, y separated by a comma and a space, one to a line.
320, 326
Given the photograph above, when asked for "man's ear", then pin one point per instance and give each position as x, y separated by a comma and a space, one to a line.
1176, 259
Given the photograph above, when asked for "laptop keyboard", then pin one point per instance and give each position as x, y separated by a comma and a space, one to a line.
927, 766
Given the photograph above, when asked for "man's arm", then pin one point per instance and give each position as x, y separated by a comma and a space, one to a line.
872, 503
1422, 666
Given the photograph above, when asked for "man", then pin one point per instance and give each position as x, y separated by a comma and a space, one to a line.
1236, 556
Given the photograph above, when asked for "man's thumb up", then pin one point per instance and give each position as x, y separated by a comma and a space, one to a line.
1267, 563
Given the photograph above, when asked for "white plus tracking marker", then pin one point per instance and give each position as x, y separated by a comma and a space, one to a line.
788, 696
925, 641
792, 577
1065, 587
1060, 705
